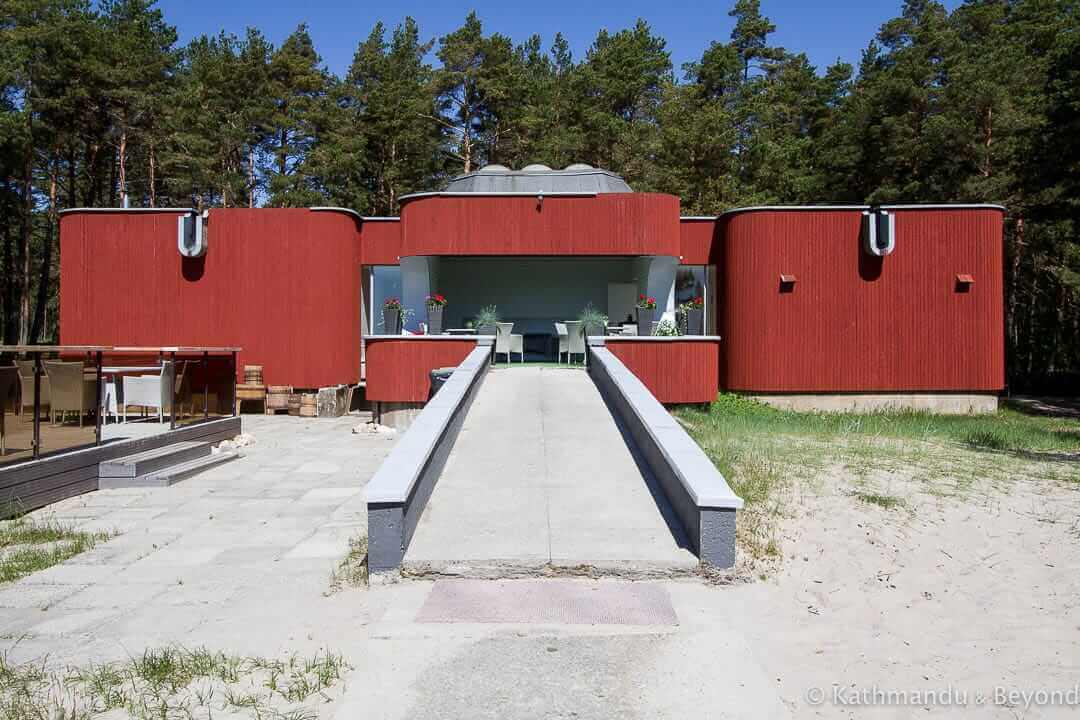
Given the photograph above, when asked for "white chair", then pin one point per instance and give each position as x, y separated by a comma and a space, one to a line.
575, 329
148, 392
564, 341
506, 342
70, 390
629, 329
9, 380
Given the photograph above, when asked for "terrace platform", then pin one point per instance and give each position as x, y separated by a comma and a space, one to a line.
541, 480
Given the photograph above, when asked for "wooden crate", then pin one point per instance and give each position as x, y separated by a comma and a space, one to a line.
253, 374
294, 404
308, 405
277, 398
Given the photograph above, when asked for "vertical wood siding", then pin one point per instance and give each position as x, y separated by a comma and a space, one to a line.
698, 241
400, 370
674, 371
283, 284
853, 323
380, 242
608, 224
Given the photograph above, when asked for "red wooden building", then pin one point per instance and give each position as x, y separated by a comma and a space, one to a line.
823, 306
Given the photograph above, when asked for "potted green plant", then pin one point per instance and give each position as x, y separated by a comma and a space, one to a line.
435, 304
694, 311
594, 321
391, 313
485, 320
646, 313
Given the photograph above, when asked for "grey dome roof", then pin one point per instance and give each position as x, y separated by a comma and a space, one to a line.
537, 178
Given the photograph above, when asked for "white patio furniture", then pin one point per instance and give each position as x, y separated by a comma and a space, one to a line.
576, 345
629, 329
70, 389
26, 385
507, 342
9, 380
150, 392
564, 341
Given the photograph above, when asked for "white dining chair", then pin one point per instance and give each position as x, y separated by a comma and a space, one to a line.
151, 392
575, 329
507, 342
564, 341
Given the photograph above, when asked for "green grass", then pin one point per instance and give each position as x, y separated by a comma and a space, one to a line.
170, 682
764, 452
503, 365
886, 502
353, 571
28, 546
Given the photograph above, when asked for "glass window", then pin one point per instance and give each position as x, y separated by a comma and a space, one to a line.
385, 283
693, 281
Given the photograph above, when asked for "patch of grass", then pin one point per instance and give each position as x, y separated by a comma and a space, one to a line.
353, 570
27, 546
764, 451
170, 682
888, 502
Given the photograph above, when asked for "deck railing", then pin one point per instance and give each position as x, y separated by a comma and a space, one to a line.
56, 398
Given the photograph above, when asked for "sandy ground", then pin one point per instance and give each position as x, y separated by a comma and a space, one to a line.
965, 593
968, 593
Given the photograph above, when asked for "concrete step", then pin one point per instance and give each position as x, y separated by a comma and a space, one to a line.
176, 473
146, 462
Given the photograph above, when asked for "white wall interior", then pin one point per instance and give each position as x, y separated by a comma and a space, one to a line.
534, 292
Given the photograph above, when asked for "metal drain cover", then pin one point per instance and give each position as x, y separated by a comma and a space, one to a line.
566, 602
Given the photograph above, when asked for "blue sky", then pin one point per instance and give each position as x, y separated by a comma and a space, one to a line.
824, 29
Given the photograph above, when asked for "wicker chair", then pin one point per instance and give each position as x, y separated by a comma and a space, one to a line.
9, 380
70, 390
507, 342
26, 385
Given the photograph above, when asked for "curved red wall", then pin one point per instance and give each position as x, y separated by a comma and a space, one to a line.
283, 284
851, 323
605, 224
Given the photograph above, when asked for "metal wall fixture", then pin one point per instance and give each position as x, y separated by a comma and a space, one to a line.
191, 235
878, 231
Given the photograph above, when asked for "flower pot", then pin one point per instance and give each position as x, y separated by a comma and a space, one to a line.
391, 321
695, 321
645, 318
486, 330
434, 319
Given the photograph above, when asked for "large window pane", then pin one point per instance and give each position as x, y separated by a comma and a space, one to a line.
385, 283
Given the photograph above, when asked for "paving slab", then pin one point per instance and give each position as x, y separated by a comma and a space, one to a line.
541, 477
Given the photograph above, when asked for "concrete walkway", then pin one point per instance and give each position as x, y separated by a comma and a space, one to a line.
540, 476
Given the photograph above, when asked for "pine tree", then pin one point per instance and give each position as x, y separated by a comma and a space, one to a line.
297, 85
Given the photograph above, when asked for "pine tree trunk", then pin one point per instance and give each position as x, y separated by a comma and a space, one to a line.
7, 324
45, 273
27, 228
1014, 289
122, 159
251, 176
153, 177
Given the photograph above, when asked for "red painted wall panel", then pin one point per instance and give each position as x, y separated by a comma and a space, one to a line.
283, 284
608, 224
380, 242
400, 370
855, 324
699, 241
674, 371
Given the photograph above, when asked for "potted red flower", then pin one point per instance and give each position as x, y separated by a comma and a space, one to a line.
435, 304
695, 316
391, 312
646, 313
